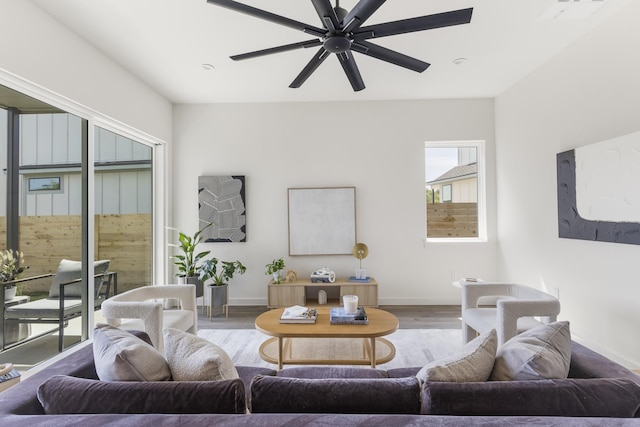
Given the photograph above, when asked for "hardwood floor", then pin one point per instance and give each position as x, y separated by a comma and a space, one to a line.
409, 317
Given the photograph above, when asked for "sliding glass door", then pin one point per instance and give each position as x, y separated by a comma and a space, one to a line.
70, 192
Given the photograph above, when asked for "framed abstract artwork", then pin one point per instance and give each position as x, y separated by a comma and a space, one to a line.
598, 198
221, 200
322, 221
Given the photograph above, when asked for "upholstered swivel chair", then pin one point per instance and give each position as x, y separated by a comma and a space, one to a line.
518, 308
142, 309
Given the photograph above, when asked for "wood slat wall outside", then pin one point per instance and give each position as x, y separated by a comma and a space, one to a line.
452, 220
125, 240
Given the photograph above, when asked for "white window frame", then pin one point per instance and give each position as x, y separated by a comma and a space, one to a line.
480, 146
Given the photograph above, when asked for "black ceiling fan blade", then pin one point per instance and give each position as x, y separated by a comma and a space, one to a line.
277, 49
360, 13
428, 22
268, 16
327, 14
390, 56
350, 68
311, 66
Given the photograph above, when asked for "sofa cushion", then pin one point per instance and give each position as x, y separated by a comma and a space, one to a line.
331, 372
68, 271
192, 358
602, 397
69, 395
335, 395
121, 356
539, 353
473, 363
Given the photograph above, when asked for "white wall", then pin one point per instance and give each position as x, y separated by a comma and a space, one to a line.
37, 48
378, 147
588, 93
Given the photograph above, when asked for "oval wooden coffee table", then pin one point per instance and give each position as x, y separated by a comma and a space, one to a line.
306, 344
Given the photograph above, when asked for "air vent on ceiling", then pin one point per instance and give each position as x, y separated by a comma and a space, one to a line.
571, 9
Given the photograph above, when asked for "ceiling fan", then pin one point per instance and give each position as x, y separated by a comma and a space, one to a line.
343, 32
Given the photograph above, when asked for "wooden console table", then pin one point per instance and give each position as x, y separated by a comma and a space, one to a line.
288, 294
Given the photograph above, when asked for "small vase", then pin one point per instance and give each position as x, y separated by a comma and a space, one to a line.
276, 278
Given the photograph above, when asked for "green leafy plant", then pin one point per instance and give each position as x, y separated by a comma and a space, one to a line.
220, 271
187, 261
11, 266
274, 268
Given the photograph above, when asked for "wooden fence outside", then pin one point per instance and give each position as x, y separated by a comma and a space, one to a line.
125, 240
452, 220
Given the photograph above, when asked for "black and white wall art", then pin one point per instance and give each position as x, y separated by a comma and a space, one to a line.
221, 200
598, 196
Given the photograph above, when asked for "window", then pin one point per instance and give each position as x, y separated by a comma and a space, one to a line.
454, 190
446, 193
44, 184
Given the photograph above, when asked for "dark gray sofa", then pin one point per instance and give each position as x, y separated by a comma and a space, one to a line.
599, 392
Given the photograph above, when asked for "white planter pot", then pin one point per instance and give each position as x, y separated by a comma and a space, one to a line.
10, 293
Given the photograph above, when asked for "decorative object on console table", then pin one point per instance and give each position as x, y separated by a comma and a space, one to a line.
298, 314
322, 297
339, 317
274, 268
323, 275
360, 251
291, 276
221, 200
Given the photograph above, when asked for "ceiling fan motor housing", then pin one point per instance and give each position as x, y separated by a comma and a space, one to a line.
335, 43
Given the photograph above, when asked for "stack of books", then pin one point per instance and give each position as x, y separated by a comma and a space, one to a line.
299, 314
340, 317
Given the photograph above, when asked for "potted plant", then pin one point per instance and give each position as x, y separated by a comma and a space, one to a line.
187, 261
274, 268
11, 268
220, 272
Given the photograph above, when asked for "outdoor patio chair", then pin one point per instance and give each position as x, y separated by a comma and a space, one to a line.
65, 298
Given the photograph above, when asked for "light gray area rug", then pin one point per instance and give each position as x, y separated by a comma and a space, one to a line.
414, 347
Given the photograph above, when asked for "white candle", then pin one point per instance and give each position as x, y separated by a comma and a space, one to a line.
350, 303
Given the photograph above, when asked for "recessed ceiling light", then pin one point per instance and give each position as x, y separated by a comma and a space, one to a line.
208, 67
459, 61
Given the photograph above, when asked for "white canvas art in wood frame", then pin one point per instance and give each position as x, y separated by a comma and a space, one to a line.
322, 221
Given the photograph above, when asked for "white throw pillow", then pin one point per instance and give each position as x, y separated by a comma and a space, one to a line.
472, 364
540, 353
192, 358
121, 356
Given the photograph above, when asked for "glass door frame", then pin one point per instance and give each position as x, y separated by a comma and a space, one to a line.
91, 120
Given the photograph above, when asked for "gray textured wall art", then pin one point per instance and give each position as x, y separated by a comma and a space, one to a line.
221, 200
572, 225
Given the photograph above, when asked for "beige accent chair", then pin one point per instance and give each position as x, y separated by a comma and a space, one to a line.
141, 309
515, 311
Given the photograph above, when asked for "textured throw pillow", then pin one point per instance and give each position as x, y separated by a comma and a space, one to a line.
539, 353
472, 364
68, 271
121, 356
192, 358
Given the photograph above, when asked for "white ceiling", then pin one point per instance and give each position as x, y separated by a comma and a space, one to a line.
165, 43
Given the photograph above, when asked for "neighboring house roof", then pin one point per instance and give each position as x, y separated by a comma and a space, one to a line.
462, 171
